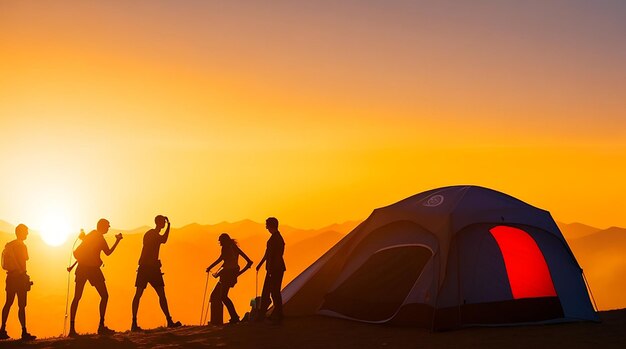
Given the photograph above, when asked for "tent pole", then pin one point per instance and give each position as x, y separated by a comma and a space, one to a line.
590, 292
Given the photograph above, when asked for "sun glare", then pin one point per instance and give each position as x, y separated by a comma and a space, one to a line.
55, 229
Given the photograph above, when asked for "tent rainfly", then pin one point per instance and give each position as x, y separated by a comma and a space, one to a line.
447, 258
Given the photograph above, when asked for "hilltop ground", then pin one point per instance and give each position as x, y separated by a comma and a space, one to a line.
323, 332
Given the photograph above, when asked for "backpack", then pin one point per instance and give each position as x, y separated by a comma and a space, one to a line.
84, 252
8, 258
255, 313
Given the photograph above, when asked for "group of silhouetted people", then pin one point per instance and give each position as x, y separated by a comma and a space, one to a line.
88, 261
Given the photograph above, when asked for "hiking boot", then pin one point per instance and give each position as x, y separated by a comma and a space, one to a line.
72, 333
135, 328
4, 335
103, 330
28, 337
233, 321
173, 324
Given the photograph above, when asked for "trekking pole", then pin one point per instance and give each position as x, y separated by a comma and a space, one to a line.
206, 285
69, 270
206, 312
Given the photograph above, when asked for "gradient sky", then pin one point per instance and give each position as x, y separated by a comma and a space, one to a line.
313, 111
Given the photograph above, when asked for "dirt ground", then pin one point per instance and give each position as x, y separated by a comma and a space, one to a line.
323, 332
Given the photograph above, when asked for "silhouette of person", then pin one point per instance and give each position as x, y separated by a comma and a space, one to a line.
228, 276
18, 283
275, 267
149, 271
88, 256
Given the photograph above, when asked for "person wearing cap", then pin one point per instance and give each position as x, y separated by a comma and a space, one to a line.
18, 282
149, 271
89, 262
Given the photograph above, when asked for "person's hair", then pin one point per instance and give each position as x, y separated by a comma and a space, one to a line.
272, 222
226, 238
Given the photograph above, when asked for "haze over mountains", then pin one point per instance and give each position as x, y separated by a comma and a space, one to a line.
193, 247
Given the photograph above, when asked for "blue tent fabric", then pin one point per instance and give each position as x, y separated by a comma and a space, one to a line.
465, 282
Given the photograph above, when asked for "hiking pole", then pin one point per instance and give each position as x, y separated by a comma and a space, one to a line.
206, 313
206, 285
208, 305
69, 270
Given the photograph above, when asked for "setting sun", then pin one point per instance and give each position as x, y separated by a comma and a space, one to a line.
54, 228
220, 114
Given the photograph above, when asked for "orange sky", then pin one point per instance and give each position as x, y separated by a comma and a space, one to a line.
313, 112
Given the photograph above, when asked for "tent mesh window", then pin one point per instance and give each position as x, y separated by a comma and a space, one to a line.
376, 290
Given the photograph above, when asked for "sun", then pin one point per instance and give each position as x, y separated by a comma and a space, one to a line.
54, 228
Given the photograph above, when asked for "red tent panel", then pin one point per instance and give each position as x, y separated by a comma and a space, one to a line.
525, 265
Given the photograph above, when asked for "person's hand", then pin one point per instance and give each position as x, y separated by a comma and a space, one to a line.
119, 237
258, 267
244, 269
208, 270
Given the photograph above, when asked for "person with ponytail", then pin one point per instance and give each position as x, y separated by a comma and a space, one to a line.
227, 274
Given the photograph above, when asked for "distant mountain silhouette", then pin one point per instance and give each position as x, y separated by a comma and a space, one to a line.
612, 238
601, 255
193, 247
573, 231
6, 227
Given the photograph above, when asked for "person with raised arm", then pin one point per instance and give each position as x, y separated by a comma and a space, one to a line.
149, 271
89, 262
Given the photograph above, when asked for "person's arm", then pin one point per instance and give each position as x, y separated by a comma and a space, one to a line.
262, 261
107, 251
248, 261
221, 258
167, 232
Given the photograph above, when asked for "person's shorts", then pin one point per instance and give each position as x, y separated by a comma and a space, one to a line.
92, 274
17, 283
228, 277
149, 275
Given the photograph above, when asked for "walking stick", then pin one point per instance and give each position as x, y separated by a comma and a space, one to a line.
69, 269
204, 297
206, 313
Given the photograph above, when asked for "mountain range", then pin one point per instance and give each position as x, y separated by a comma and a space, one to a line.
191, 248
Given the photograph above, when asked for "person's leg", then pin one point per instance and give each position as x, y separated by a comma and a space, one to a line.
277, 299
21, 303
160, 290
234, 317
265, 295
101, 287
7, 308
78, 293
135, 305
215, 299
21, 308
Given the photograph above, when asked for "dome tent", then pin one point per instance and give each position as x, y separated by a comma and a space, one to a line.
446, 258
